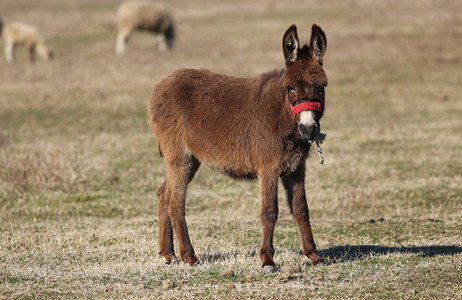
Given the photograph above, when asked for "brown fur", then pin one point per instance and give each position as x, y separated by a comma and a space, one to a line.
243, 128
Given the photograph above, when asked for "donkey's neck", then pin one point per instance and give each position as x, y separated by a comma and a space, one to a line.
272, 80
272, 98
273, 95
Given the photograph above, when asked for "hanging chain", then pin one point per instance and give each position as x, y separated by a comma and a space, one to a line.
319, 139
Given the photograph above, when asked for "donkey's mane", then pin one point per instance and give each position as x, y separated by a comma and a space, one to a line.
265, 77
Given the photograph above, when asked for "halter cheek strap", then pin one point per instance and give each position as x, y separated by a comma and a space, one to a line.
296, 109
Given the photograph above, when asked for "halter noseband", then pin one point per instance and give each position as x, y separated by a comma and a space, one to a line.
296, 109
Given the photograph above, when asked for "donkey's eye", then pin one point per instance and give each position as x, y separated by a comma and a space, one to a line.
320, 90
290, 89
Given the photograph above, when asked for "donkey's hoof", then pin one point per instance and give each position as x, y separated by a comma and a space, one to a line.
172, 260
315, 259
269, 269
190, 259
169, 257
193, 262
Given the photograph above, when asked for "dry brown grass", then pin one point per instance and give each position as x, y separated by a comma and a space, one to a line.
79, 168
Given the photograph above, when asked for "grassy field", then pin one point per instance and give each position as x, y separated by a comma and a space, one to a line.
79, 168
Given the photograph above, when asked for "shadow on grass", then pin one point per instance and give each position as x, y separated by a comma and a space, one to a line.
349, 253
341, 254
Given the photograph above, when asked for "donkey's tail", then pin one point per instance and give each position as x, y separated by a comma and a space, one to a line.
160, 152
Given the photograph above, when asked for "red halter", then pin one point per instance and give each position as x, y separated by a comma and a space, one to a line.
296, 109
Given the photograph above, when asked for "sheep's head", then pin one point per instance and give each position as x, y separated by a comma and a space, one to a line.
45, 52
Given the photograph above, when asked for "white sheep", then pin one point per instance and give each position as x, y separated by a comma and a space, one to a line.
17, 33
144, 15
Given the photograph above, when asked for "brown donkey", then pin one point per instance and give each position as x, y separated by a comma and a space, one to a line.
247, 128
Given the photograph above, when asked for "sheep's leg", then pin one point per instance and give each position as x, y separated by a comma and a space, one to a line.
268, 215
9, 51
296, 197
32, 53
122, 39
178, 177
161, 42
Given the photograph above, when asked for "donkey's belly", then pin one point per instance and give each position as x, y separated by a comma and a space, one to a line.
238, 168
237, 173
225, 158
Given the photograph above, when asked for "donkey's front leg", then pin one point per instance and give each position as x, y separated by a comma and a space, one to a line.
268, 215
296, 197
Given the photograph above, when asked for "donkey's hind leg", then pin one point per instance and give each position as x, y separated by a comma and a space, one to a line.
179, 173
165, 227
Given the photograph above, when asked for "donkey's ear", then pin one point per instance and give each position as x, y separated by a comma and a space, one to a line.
318, 43
290, 45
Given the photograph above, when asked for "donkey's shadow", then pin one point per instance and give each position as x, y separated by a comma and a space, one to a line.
347, 253
340, 254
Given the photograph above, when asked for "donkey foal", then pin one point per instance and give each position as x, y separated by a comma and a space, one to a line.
247, 128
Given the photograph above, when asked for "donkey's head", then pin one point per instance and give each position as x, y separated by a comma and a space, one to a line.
305, 79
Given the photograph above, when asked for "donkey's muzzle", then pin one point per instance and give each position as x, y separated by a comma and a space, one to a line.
309, 132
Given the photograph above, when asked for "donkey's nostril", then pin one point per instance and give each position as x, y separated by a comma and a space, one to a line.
308, 132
